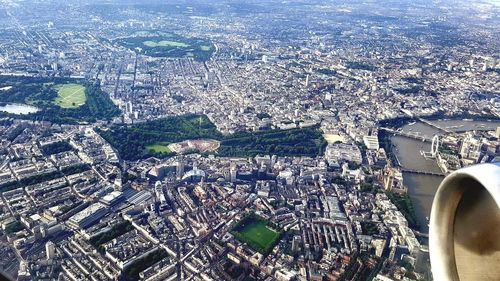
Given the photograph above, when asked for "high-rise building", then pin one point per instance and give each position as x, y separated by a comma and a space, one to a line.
129, 107
233, 171
180, 168
160, 196
296, 243
50, 250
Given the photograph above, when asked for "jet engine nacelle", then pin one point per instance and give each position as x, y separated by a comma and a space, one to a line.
464, 230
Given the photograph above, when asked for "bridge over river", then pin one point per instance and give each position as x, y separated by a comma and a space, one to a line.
415, 136
422, 172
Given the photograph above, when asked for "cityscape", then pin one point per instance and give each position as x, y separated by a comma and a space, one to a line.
237, 140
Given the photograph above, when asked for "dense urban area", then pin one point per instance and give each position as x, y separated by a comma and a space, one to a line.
237, 140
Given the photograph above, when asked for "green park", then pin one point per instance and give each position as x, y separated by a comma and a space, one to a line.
148, 139
159, 147
168, 45
70, 95
58, 99
256, 233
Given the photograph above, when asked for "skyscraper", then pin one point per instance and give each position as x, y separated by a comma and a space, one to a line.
50, 250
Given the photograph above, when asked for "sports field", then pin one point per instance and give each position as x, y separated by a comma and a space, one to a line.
256, 234
70, 95
160, 147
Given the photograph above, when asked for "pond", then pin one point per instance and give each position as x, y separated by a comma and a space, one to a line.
18, 108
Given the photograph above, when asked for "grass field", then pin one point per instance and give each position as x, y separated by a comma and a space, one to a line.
256, 234
159, 147
165, 43
70, 95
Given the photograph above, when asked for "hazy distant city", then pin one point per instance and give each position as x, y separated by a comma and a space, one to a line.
237, 140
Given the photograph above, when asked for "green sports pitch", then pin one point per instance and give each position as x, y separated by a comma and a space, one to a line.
160, 147
256, 233
70, 95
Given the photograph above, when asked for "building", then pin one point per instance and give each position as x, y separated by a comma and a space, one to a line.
233, 172
160, 171
50, 250
129, 108
393, 180
371, 142
381, 277
339, 152
296, 243
194, 175
143, 198
470, 150
180, 168
88, 216
379, 245
160, 196
112, 198
284, 275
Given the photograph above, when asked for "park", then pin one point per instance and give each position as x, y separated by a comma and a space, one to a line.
256, 233
70, 95
169, 45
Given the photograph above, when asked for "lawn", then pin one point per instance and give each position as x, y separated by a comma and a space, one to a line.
256, 233
165, 43
159, 147
70, 95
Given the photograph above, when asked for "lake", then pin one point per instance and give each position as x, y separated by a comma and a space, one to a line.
18, 108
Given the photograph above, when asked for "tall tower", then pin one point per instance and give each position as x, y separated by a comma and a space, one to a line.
129, 107
180, 168
435, 146
233, 172
50, 250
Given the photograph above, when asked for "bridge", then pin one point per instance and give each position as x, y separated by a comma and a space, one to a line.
422, 172
415, 136
427, 122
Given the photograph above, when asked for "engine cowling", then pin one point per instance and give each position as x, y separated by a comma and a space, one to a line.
464, 230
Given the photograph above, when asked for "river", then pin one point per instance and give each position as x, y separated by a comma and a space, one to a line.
421, 188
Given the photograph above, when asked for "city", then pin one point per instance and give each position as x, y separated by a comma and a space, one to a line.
237, 140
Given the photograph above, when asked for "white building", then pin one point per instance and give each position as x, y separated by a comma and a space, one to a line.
371, 142
50, 250
339, 152
88, 216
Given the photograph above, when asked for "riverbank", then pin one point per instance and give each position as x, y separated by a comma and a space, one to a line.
405, 153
